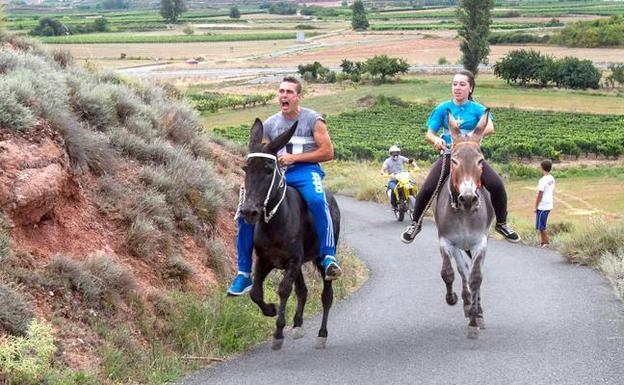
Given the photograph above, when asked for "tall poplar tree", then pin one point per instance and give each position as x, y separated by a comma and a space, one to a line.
359, 20
475, 17
171, 9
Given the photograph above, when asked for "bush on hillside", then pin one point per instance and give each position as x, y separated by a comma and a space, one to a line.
525, 67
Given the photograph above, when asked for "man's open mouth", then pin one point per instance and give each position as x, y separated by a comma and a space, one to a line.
285, 103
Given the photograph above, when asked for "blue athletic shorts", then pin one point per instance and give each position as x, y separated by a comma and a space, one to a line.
541, 217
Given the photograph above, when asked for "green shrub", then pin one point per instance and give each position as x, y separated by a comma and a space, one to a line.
176, 267
26, 360
143, 238
153, 205
179, 123
87, 150
93, 104
15, 312
217, 258
67, 272
13, 114
115, 279
589, 244
62, 57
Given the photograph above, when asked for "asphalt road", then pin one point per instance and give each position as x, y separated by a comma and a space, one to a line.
547, 322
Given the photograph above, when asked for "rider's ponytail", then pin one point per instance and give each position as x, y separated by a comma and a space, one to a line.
471, 80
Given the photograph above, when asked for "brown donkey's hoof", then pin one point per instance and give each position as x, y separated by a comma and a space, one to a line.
451, 299
473, 332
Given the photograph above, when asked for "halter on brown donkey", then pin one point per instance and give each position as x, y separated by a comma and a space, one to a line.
463, 214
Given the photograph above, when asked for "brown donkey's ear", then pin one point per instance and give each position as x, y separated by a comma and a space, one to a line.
256, 134
483, 122
452, 125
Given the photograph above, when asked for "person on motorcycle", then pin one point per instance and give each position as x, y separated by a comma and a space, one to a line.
393, 165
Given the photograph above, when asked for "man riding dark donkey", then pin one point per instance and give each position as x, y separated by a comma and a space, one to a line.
309, 145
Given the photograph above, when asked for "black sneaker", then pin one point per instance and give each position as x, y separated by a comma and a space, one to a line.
410, 232
507, 232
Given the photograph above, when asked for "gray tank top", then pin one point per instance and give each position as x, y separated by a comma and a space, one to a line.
303, 139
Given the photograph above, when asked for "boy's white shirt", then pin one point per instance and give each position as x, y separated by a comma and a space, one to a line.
546, 185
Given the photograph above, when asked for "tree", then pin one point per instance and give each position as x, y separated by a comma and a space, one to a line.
475, 17
385, 66
101, 25
171, 9
344, 4
359, 20
234, 13
50, 27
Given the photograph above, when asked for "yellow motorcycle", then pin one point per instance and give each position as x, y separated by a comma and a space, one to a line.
403, 196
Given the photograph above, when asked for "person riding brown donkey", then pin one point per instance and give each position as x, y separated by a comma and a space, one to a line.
466, 113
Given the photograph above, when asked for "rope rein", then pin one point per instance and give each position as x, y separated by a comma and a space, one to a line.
435, 192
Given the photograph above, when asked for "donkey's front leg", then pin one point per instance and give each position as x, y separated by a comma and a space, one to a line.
257, 290
448, 276
476, 313
284, 290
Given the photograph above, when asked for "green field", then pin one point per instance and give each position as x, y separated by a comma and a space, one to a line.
108, 38
519, 134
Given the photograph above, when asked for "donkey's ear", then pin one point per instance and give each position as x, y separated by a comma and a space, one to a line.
483, 122
256, 133
452, 124
281, 140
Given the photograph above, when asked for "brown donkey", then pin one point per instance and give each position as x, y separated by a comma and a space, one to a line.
463, 214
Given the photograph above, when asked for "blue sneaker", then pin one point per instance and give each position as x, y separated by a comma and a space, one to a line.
240, 285
331, 268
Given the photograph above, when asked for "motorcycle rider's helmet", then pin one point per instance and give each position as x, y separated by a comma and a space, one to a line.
394, 151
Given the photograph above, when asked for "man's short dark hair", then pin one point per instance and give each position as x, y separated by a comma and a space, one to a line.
294, 80
546, 165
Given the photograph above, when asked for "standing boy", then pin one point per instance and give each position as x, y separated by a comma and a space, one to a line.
544, 200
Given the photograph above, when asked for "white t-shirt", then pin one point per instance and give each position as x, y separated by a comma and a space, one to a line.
546, 184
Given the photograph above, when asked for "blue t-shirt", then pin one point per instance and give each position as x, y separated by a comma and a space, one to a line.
467, 116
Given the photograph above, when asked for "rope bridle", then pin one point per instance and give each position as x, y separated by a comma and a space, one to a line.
282, 184
453, 194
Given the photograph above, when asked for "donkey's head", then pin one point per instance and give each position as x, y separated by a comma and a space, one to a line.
467, 162
263, 178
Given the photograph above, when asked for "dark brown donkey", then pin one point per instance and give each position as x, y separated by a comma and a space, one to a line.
285, 236
463, 214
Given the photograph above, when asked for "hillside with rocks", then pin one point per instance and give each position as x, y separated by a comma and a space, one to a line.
115, 209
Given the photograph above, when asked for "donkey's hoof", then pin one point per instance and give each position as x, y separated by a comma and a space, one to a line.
480, 323
451, 299
297, 333
270, 310
277, 343
321, 342
473, 332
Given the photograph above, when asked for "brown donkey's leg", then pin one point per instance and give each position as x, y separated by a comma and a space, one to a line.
257, 291
448, 276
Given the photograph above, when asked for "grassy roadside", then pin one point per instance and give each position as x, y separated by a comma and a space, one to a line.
431, 88
185, 333
586, 226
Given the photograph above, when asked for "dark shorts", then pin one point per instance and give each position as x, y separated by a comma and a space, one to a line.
541, 217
